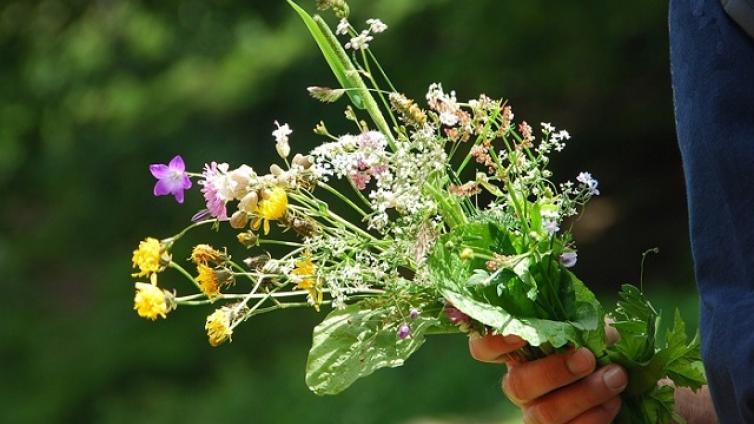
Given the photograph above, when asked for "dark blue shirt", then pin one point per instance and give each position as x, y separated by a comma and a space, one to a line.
713, 84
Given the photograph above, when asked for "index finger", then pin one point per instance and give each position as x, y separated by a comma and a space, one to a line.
493, 347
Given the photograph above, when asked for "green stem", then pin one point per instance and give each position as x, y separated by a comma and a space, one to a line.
280, 243
377, 87
340, 196
172, 239
185, 274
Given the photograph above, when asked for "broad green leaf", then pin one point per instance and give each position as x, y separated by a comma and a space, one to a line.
535, 331
354, 342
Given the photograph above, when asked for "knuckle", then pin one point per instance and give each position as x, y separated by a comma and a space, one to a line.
540, 413
512, 387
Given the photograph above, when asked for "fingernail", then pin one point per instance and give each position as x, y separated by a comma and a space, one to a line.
580, 362
615, 378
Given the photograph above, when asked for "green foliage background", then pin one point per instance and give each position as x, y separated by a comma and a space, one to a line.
91, 92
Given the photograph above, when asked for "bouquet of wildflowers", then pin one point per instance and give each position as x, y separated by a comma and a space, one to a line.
461, 228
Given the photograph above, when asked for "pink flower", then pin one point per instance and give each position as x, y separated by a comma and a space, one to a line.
360, 180
171, 178
456, 316
215, 204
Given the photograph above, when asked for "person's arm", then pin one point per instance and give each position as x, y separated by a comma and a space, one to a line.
568, 388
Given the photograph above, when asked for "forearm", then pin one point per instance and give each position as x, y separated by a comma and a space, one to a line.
695, 407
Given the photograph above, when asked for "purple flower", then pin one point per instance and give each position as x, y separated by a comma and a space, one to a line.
456, 316
171, 178
568, 259
404, 331
413, 313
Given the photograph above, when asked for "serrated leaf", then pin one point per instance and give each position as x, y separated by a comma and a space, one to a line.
354, 342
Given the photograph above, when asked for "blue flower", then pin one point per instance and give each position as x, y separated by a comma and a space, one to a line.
568, 259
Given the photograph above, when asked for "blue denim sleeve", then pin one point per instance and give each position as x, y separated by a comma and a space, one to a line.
713, 85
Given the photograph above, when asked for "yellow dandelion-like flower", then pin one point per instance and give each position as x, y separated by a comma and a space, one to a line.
148, 257
208, 281
305, 270
151, 301
272, 207
203, 254
218, 326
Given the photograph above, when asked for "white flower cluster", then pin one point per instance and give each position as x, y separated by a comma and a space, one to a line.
362, 40
359, 158
346, 267
552, 139
444, 104
398, 176
411, 165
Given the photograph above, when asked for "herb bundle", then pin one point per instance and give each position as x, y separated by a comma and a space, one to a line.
461, 229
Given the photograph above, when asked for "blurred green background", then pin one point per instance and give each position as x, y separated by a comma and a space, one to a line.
91, 92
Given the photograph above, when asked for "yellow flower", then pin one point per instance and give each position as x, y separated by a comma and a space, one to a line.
272, 207
305, 270
204, 254
208, 281
148, 257
218, 326
151, 302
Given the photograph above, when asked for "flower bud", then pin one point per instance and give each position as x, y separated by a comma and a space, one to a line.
248, 239
257, 262
467, 254
271, 267
276, 170
248, 203
239, 219
404, 331
283, 148
321, 129
302, 161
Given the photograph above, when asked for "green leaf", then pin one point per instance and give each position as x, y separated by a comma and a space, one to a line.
353, 342
535, 331
339, 63
342, 67
636, 321
683, 360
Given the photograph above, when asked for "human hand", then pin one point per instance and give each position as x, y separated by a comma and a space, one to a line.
558, 389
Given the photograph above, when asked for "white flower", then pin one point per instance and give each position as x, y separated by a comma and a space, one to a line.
376, 25
281, 139
561, 135
448, 119
547, 127
446, 104
360, 42
342, 28
550, 226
